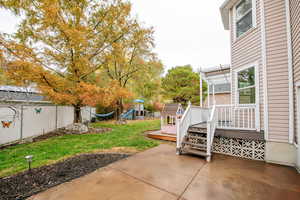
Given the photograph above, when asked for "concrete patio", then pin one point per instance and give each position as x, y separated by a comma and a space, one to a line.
159, 173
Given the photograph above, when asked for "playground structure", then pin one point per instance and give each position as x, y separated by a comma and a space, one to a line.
139, 108
168, 118
170, 113
136, 112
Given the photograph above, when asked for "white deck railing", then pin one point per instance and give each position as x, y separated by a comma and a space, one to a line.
218, 116
211, 129
192, 115
183, 125
236, 117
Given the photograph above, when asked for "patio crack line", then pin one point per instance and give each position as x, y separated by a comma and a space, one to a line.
192, 179
176, 195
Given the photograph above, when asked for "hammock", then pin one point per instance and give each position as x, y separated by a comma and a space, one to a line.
104, 115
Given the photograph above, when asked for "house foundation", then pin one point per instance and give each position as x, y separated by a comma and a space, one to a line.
281, 153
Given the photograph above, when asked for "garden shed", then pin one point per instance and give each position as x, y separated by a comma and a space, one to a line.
168, 117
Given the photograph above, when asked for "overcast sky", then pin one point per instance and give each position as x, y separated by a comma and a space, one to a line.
186, 32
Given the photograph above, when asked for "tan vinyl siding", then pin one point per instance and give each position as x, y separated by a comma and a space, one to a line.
295, 30
221, 98
247, 50
277, 69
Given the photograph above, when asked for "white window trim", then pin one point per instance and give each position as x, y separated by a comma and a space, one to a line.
236, 91
235, 20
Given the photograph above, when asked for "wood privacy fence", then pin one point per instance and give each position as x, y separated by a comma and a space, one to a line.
20, 122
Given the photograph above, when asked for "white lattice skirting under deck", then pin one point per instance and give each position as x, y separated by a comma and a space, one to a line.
251, 149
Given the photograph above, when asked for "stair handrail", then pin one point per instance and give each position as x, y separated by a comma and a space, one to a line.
182, 126
211, 128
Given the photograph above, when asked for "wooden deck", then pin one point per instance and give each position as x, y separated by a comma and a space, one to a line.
162, 136
235, 133
229, 133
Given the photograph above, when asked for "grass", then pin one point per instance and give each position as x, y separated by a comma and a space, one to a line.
57, 148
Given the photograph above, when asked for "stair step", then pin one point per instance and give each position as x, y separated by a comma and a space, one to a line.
196, 130
194, 145
194, 151
196, 137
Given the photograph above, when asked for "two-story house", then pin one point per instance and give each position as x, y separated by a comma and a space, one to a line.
262, 120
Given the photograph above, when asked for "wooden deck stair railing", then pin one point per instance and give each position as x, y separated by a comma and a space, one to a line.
195, 131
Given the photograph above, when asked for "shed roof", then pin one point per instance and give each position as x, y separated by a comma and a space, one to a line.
171, 109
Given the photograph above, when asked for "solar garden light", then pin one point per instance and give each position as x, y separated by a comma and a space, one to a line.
29, 160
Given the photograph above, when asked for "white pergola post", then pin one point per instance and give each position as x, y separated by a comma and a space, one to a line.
208, 98
201, 91
214, 98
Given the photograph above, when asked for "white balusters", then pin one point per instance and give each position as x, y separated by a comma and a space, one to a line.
191, 116
182, 126
236, 117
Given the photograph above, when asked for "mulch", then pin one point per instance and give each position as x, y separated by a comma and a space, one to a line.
28, 183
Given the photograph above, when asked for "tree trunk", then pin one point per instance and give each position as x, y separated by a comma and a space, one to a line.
119, 109
121, 105
77, 114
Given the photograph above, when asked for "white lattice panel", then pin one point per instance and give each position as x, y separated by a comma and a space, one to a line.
251, 149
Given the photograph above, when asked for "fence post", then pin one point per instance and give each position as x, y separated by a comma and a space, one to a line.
56, 117
21, 125
90, 114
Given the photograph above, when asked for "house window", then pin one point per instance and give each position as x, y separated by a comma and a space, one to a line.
246, 86
243, 16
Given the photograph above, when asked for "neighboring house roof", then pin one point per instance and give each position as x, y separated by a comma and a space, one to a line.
224, 9
22, 94
171, 109
13, 88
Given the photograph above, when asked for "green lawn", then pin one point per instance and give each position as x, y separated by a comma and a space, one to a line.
56, 148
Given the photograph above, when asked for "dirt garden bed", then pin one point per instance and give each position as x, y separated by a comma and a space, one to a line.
58, 132
28, 183
63, 131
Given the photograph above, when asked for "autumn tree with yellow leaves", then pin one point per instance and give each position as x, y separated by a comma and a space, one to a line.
60, 44
132, 62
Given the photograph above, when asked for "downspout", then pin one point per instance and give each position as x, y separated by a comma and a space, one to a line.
264, 63
290, 71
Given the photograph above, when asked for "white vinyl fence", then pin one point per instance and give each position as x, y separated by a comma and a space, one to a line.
21, 122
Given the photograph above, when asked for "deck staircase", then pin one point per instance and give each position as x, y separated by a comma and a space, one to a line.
198, 126
195, 142
195, 135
